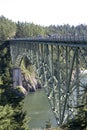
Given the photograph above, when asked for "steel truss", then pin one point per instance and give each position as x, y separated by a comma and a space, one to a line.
62, 71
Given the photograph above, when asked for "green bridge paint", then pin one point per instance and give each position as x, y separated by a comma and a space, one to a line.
60, 64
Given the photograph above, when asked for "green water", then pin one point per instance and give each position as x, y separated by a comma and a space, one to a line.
38, 110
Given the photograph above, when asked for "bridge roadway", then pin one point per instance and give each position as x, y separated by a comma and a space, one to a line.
59, 40
61, 65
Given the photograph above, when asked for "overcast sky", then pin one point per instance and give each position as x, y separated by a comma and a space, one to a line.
45, 12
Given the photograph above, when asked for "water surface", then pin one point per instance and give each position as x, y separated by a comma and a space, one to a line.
38, 110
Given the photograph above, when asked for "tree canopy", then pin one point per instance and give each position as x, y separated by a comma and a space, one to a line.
10, 29
7, 28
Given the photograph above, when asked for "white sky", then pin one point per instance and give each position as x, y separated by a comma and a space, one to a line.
45, 12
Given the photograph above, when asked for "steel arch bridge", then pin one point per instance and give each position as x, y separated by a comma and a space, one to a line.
61, 64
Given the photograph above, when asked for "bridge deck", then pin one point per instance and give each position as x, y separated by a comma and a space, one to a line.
65, 41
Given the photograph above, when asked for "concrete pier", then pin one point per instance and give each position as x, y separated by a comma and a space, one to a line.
17, 78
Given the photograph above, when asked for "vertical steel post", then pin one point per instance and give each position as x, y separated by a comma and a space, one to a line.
37, 49
67, 69
77, 76
30, 52
46, 55
59, 86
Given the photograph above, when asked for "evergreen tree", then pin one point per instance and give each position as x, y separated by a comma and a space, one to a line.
7, 28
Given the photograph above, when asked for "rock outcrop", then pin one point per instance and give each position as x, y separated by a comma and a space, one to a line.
30, 83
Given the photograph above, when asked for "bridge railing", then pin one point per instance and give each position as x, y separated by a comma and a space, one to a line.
55, 38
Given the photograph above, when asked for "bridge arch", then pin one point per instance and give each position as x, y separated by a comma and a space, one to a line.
19, 59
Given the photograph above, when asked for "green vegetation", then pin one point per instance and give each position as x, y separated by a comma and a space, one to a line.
12, 116
7, 28
79, 122
5, 65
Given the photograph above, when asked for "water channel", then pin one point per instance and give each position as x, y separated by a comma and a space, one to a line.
38, 110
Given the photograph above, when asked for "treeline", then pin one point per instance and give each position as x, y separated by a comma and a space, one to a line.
10, 29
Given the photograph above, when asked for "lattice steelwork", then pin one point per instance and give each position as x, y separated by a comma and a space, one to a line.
62, 69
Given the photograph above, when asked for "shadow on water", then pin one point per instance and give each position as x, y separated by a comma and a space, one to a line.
38, 110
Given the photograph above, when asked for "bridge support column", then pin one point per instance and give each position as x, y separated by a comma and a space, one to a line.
17, 78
